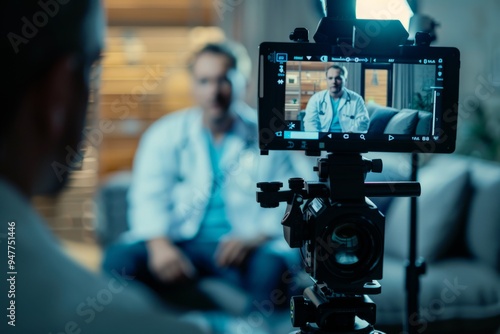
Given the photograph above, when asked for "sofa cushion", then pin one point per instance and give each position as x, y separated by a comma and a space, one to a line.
380, 118
404, 122
111, 208
444, 182
424, 125
451, 289
483, 226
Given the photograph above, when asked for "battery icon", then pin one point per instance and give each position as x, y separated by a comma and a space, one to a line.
281, 57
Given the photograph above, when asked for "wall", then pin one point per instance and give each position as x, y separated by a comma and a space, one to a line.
474, 28
254, 21
471, 26
143, 77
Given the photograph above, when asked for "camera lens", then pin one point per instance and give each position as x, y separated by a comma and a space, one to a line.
346, 244
351, 247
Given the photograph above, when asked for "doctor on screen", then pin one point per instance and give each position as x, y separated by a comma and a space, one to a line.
336, 109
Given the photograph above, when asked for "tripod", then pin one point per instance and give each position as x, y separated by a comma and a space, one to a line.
340, 314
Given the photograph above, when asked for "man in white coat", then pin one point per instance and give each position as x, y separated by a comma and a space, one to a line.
49, 49
336, 109
192, 202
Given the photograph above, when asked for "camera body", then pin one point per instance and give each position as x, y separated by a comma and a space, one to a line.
341, 236
346, 247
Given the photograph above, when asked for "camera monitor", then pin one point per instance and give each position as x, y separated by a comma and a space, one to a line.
317, 97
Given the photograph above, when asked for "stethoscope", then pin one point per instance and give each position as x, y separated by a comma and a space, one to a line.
243, 166
324, 105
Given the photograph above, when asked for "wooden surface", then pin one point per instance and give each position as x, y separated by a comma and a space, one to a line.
144, 77
160, 12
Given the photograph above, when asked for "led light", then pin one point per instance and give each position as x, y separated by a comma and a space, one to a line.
385, 10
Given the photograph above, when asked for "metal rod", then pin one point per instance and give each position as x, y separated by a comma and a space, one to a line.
414, 267
392, 189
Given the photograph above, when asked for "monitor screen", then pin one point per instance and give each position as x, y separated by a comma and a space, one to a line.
314, 97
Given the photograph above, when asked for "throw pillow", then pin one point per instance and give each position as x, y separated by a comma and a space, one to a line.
403, 123
483, 226
380, 118
424, 125
444, 181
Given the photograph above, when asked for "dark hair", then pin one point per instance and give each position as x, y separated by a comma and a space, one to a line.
235, 52
215, 48
342, 69
35, 35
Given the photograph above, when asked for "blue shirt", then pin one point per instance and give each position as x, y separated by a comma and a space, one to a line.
172, 178
335, 127
215, 223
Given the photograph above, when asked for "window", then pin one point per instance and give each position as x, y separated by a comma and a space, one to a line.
377, 85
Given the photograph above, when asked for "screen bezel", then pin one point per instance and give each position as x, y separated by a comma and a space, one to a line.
272, 115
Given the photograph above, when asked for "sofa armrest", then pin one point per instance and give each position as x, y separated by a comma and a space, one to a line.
111, 201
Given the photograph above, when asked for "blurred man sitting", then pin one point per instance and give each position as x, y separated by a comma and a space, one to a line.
193, 210
49, 49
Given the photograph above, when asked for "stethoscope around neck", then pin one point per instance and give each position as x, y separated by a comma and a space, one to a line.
324, 104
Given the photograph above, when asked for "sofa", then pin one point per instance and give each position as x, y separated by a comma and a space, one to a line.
389, 120
216, 304
458, 235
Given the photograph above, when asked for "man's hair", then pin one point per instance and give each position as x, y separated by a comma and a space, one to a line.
235, 52
35, 35
342, 69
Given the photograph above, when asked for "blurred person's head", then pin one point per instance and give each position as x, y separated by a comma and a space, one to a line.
48, 51
220, 74
335, 78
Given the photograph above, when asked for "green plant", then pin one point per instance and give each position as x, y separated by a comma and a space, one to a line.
477, 138
422, 101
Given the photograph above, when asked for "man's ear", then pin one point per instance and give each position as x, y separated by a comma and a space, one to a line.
54, 95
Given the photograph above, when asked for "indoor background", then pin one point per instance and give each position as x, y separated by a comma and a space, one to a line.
144, 77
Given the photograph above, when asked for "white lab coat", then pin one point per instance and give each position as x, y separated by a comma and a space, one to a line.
353, 115
53, 294
172, 178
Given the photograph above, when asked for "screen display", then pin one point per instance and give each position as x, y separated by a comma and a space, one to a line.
315, 97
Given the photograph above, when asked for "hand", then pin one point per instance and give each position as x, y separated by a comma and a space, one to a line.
234, 252
167, 262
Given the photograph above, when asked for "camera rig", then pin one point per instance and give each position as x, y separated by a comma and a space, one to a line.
339, 230
341, 236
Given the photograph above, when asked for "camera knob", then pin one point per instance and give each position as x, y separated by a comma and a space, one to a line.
377, 166
270, 186
296, 183
301, 311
